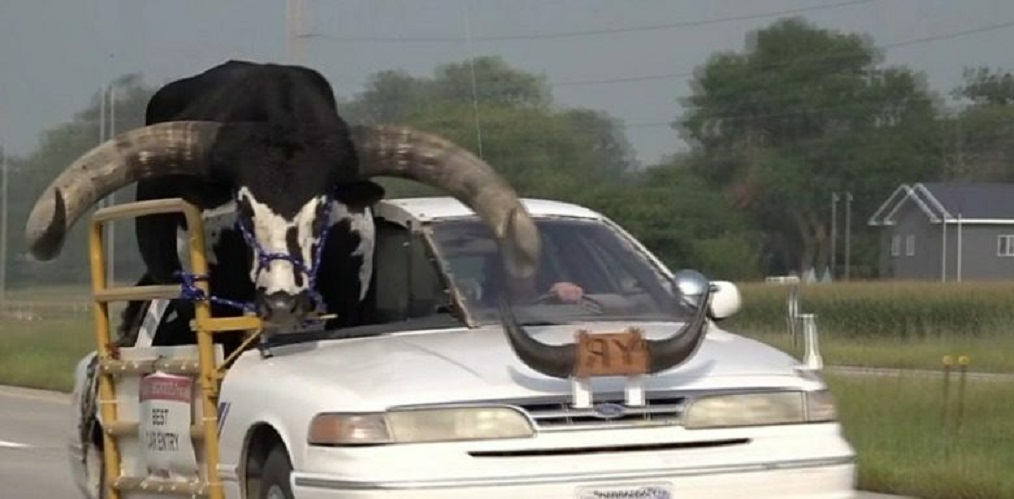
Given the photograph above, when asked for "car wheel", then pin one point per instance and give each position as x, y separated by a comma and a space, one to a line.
275, 479
94, 474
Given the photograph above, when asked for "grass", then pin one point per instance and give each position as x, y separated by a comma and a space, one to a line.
888, 309
42, 354
896, 425
890, 324
52, 293
987, 353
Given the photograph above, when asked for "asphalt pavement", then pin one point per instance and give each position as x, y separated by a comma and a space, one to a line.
34, 425
33, 450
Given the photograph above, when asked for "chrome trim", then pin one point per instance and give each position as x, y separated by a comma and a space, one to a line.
556, 414
664, 407
322, 482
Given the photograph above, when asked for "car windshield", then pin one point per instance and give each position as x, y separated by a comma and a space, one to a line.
616, 280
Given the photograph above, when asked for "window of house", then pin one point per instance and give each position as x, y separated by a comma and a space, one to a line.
910, 245
1005, 245
896, 245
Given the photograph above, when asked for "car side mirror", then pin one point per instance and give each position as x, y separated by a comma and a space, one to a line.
725, 300
690, 286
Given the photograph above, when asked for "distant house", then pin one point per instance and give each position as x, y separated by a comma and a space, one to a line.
947, 231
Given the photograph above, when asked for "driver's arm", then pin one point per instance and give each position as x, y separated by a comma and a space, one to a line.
567, 292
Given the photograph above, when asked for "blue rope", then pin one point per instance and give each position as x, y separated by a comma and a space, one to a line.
191, 292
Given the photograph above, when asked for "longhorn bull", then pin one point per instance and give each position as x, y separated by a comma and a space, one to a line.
268, 138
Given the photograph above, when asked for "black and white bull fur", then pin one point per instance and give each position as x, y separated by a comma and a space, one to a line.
285, 172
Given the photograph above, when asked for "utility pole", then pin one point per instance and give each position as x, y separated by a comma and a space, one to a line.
3, 228
848, 232
834, 233
111, 228
295, 31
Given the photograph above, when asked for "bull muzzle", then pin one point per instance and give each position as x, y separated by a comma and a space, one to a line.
283, 309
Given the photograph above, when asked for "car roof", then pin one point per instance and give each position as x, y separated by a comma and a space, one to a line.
428, 209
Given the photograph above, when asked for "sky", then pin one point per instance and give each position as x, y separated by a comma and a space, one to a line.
631, 58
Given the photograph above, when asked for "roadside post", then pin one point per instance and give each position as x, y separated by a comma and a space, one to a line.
811, 357
948, 361
963, 361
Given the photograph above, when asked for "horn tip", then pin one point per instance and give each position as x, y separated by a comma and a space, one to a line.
46, 227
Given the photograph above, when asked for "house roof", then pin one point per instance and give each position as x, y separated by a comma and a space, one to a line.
972, 202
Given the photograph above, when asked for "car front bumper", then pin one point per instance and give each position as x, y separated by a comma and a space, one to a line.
816, 479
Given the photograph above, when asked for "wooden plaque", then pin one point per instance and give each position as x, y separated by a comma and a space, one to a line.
611, 354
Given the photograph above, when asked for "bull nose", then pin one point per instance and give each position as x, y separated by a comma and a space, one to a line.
280, 305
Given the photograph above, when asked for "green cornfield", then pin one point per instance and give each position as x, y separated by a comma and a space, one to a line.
885, 309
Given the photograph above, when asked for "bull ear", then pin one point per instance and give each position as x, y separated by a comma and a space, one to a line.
359, 193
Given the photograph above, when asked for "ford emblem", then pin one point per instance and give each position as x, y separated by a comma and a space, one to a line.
608, 410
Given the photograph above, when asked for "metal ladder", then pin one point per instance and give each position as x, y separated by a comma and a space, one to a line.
209, 374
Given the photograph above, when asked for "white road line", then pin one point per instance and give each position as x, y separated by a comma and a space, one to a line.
12, 445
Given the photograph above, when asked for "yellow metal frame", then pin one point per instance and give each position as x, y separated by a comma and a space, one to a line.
209, 375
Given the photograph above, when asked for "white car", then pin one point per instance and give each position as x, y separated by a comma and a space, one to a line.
433, 401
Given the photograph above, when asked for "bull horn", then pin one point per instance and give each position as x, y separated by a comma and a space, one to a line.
405, 152
560, 361
155, 150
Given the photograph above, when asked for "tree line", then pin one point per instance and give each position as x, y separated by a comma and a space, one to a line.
799, 113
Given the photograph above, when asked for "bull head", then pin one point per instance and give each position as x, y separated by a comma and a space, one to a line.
193, 148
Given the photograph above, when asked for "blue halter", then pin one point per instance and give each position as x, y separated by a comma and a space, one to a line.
191, 292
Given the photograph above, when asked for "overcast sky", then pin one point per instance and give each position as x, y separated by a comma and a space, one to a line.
628, 57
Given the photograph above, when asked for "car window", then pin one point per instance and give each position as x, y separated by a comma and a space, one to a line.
588, 253
407, 280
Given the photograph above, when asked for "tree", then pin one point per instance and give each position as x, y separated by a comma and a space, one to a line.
390, 96
59, 146
491, 81
505, 115
981, 136
681, 219
804, 112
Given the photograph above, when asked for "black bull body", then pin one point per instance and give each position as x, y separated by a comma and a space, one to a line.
269, 138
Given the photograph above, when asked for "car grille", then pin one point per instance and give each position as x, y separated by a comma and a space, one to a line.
560, 415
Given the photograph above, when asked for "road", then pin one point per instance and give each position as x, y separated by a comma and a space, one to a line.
937, 373
33, 456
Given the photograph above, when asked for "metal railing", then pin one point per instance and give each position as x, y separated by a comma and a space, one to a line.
209, 374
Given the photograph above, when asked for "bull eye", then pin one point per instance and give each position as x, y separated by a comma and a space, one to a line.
292, 243
318, 226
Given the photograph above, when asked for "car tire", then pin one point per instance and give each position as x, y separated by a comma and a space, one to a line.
98, 471
275, 479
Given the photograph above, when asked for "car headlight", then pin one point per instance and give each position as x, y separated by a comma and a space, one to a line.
757, 409
419, 425
820, 406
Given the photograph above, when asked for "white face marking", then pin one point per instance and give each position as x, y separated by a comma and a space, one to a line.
270, 231
216, 221
361, 224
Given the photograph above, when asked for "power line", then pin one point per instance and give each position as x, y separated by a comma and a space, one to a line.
886, 46
686, 74
946, 36
581, 33
629, 79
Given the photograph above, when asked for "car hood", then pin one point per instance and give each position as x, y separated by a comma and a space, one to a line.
479, 364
